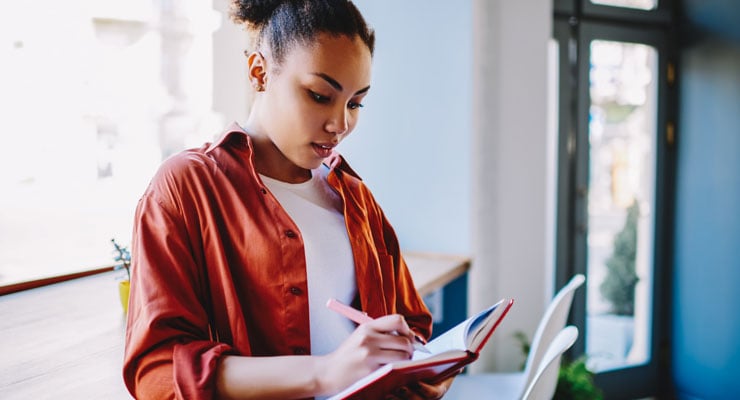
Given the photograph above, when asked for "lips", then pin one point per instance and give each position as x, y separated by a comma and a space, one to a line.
323, 150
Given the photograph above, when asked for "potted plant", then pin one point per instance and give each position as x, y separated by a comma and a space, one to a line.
576, 382
123, 257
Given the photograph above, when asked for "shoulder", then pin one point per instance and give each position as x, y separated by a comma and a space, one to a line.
181, 176
202, 161
184, 166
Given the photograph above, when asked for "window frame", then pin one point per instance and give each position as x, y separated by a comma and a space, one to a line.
662, 14
574, 28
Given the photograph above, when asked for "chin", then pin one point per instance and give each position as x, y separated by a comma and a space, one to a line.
309, 164
314, 165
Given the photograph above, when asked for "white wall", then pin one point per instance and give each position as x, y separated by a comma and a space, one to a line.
510, 165
454, 143
412, 144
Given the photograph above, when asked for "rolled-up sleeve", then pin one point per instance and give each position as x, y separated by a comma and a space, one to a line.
170, 351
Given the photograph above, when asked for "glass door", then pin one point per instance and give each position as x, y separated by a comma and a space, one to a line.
619, 200
622, 131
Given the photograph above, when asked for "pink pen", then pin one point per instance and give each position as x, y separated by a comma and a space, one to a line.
360, 318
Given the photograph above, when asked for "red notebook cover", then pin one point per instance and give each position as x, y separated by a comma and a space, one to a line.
433, 369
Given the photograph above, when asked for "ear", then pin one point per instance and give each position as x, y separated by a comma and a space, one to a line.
257, 70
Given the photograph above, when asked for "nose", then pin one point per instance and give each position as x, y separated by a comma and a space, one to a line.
338, 123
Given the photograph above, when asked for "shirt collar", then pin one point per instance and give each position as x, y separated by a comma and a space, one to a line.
232, 130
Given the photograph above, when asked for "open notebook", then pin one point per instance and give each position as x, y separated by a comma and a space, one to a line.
449, 352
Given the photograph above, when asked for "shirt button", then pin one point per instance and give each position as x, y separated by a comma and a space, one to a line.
296, 290
300, 351
263, 190
289, 233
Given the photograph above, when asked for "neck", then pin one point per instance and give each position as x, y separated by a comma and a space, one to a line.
270, 161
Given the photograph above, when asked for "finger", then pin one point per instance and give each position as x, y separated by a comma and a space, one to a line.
391, 323
381, 347
407, 393
385, 348
427, 390
432, 390
386, 339
395, 324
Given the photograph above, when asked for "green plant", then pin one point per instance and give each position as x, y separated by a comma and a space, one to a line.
576, 382
619, 285
524, 346
123, 256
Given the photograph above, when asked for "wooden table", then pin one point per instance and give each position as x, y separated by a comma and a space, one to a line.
433, 271
65, 341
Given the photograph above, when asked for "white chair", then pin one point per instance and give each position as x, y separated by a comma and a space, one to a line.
545, 381
512, 385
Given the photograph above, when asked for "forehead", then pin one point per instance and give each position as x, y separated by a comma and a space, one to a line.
345, 59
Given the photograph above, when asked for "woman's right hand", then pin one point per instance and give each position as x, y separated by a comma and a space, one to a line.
372, 345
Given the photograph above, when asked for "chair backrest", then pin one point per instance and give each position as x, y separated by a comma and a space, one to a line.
552, 322
545, 380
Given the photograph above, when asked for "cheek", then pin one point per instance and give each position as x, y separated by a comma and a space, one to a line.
352, 120
291, 112
303, 111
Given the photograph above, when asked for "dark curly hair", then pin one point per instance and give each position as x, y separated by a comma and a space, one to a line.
282, 24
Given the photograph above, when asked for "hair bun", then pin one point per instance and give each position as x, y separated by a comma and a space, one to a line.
253, 12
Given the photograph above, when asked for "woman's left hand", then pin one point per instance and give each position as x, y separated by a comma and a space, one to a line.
421, 391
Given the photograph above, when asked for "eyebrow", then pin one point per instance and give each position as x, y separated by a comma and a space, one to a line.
336, 85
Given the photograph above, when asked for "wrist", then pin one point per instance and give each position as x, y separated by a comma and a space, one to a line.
321, 381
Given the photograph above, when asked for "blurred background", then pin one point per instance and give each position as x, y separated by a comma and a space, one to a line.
543, 138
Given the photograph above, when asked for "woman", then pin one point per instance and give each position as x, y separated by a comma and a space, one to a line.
239, 244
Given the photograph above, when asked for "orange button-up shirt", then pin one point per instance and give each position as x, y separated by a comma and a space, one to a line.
219, 268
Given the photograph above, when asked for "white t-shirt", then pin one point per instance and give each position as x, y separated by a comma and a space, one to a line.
317, 210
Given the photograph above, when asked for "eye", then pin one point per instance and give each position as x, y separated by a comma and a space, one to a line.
318, 97
353, 106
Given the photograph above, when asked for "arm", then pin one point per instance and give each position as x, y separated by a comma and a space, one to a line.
169, 351
369, 347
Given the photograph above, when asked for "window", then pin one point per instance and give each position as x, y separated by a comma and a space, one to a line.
614, 193
96, 95
622, 157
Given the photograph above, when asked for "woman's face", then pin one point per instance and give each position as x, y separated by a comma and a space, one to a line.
311, 102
